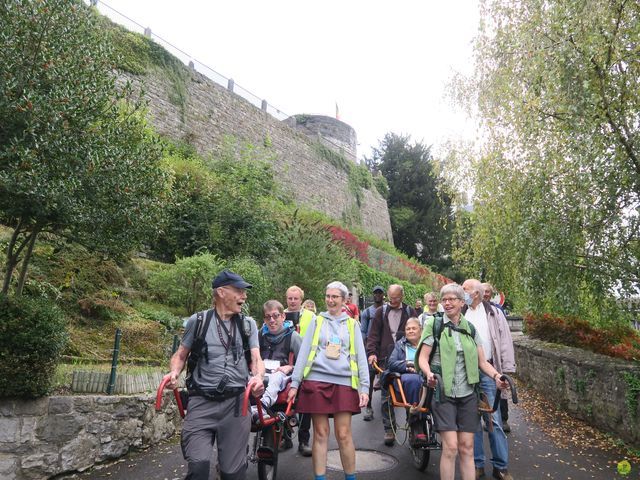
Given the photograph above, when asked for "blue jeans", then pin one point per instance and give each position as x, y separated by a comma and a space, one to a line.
388, 421
497, 438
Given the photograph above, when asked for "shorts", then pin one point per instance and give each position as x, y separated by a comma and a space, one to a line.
456, 414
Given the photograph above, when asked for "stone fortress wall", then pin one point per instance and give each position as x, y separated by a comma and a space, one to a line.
197, 110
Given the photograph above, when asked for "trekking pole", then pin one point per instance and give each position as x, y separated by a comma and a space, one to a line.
114, 362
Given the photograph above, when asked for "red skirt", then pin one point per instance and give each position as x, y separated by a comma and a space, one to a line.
327, 398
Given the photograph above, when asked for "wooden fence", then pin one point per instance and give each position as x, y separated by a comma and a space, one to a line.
96, 382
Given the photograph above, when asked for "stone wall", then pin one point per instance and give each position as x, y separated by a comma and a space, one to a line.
204, 114
591, 387
42, 438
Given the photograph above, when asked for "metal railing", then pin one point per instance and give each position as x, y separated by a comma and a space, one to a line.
188, 60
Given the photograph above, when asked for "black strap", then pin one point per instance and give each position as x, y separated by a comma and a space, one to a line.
245, 340
438, 326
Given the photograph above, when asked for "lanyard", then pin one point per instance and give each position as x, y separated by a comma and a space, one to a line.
231, 337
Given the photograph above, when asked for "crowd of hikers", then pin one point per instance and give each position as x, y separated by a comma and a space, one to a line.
325, 360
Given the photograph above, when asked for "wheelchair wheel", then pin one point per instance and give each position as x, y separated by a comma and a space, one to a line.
420, 457
268, 454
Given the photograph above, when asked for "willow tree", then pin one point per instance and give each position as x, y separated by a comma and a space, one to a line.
76, 158
557, 87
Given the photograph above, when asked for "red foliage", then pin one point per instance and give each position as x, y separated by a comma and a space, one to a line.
386, 262
350, 242
620, 341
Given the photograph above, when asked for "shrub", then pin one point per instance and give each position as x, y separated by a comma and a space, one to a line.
614, 341
187, 283
308, 258
262, 289
32, 336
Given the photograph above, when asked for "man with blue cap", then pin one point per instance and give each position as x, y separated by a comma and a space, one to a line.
220, 347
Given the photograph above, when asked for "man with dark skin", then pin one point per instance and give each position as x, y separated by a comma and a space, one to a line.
366, 319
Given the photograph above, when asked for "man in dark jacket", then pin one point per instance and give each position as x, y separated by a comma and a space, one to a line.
387, 328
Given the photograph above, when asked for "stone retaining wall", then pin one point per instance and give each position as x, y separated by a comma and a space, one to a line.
591, 387
45, 437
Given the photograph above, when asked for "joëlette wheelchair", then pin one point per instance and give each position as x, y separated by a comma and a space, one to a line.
272, 424
422, 436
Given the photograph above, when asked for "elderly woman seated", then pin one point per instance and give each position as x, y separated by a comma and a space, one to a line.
402, 361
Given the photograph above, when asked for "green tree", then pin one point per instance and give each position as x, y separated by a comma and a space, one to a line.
557, 87
76, 158
419, 205
309, 259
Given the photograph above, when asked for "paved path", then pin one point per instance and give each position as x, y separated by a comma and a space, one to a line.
534, 455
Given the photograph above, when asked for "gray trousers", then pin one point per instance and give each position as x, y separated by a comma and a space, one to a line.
208, 422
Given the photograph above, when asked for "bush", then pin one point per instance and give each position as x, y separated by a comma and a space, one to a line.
615, 341
262, 289
187, 283
32, 336
308, 258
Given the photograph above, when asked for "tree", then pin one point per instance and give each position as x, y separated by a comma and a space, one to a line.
556, 213
419, 206
76, 158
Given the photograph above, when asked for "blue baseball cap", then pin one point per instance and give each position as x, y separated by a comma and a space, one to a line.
378, 288
227, 277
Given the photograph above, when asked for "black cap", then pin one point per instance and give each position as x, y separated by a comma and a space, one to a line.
227, 277
378, 288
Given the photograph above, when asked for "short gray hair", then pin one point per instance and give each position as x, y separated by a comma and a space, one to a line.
344, 291
453, 288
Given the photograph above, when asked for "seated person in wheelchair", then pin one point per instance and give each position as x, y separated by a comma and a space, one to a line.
402, 361
279, 346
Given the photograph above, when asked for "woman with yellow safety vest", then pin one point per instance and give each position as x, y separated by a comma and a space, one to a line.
332, 376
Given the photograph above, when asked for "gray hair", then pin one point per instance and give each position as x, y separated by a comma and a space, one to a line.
476, 286
344, 291
454, 289
488, 287
414, 320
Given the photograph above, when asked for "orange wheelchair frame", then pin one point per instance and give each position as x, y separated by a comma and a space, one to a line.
426, 440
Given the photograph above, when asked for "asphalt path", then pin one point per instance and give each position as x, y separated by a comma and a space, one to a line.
533, 456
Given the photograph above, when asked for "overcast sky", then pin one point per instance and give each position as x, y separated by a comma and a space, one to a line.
386, 64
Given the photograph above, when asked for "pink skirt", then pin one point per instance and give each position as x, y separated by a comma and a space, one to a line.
327, 398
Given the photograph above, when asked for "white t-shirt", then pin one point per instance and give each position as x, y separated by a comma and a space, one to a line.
478, 318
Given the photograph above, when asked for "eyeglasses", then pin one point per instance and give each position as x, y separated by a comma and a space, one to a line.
450, 300
332, 297
274, 316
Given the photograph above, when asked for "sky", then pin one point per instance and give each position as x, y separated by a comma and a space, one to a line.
386, 65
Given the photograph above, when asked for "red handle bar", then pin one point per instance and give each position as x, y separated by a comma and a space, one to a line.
176, 394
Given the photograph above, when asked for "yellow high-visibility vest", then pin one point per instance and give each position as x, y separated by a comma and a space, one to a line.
353, 360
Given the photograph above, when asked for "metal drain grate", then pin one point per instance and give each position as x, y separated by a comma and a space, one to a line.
366, 461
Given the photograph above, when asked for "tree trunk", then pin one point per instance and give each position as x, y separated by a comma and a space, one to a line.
25, 261
12, 259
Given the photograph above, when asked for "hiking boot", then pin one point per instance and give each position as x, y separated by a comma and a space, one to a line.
480, 473
367, 414
389, 438
285, 443
304, 449
501, 474
506, 428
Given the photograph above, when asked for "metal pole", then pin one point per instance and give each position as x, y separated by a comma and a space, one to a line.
176, 344
114, 362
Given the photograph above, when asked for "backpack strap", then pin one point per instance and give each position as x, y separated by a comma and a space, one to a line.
244, 334
199, 346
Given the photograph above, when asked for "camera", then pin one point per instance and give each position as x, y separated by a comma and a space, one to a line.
222, 384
